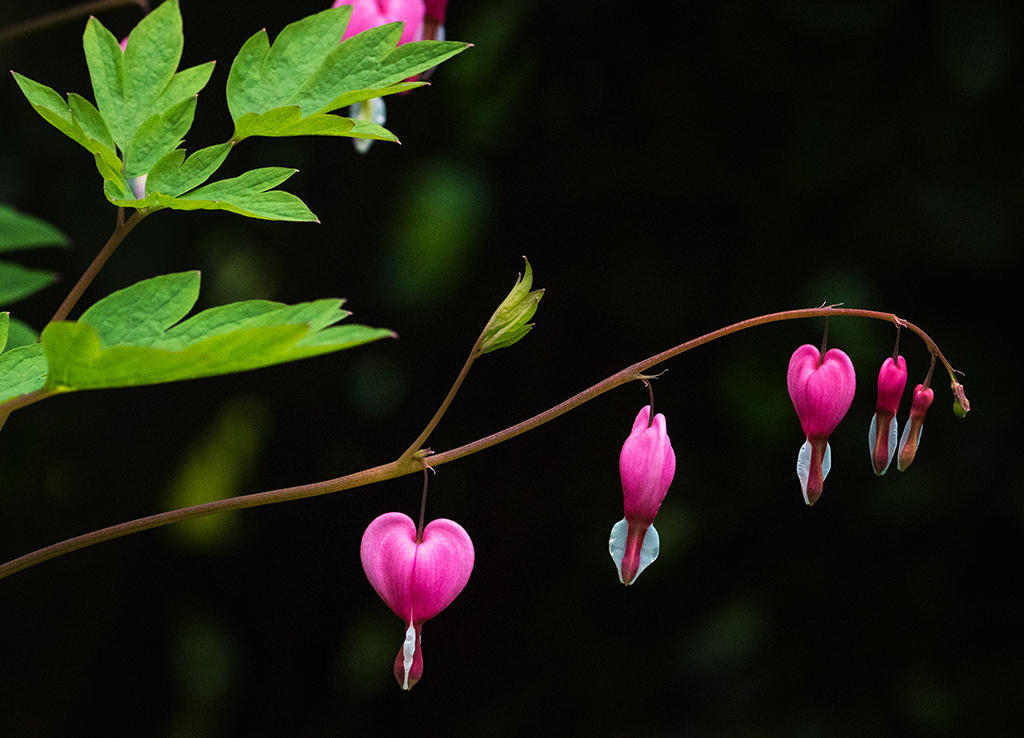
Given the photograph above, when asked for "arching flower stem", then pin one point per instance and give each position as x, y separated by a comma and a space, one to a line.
411, 461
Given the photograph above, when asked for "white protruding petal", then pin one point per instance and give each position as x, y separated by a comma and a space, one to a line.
408, 651
649, 549
138, 185
617, 544
894, 438
904, 439
803, 465
374, 111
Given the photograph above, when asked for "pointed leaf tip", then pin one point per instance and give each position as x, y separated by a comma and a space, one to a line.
509, 324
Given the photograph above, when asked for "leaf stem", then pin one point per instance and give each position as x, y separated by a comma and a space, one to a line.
408, 464
57, 17
123, 229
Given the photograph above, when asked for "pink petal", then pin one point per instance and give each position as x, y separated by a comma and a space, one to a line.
367, 14
821, 389
417, 581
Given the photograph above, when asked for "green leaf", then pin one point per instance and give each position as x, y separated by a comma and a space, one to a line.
17, 282
21, 231
289, 122
92, 123
306, 67
127, 339
264, 77
508, 324
128, 85
245, 195
370, 65
105, 60
158, 136
5, 321
174, 174
64, 116
22, 370
20, 334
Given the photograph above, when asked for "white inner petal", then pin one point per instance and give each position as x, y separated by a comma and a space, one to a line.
617, 544
408, 651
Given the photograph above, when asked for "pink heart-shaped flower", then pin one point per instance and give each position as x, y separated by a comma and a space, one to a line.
417, 579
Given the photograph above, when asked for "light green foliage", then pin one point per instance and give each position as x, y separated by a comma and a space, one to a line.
144, 106
133, 336
22, 370
133, 86
288, 87
508, 324
246, 194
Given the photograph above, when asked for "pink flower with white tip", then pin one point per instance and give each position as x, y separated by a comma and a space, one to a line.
883, 433
822, 390
646, 466
416, 577
923, 397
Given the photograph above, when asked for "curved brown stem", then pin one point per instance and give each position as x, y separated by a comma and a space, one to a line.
409, 464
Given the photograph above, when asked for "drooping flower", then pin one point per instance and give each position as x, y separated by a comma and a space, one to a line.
883, 434
367, 14
822, 390
912, 432
647, 464
416, 578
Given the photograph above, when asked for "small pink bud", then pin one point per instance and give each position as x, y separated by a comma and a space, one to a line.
367, 14
417, 579
912, 432
822, 390
646, 466
883, 433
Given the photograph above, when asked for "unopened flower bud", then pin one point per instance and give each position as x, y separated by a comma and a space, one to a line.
912, 432
884, 434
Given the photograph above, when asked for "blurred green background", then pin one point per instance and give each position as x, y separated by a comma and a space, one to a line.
668, 168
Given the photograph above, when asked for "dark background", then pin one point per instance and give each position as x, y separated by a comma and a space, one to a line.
668, 168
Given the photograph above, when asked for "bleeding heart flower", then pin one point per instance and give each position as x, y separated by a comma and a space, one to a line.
417, 578
883, 434
646, 466
923, 397
368, 14
822, 390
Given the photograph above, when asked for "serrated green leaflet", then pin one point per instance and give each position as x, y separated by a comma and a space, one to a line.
133, 86
245, 195
307, 68
160, 135
21, 231
64, 116
22, 370
289, 122
130, 338
174, 174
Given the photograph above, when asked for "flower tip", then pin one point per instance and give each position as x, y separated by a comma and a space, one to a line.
633, 548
